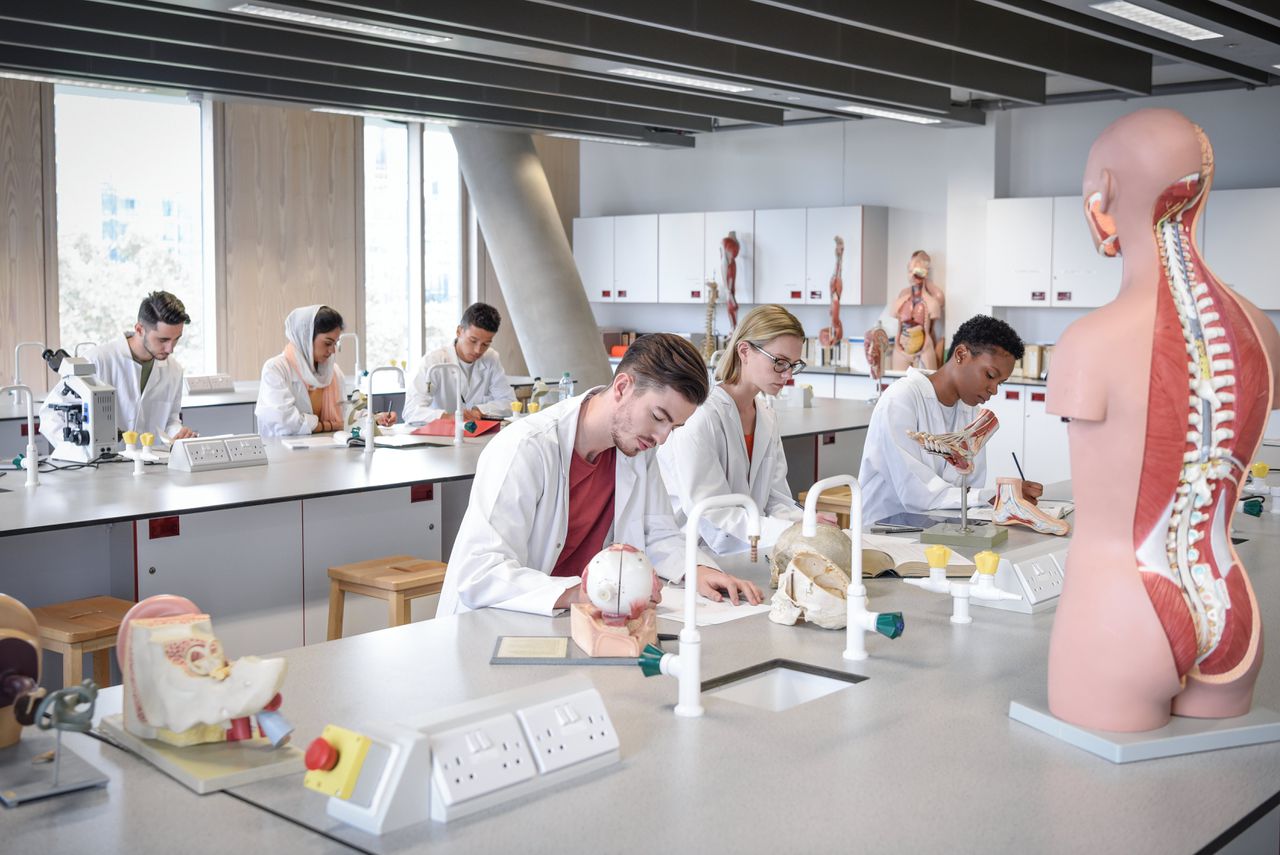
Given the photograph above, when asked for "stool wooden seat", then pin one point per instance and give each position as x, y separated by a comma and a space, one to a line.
77, 627
397, 579
835, 500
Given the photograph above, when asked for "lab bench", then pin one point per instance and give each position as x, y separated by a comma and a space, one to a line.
919, 757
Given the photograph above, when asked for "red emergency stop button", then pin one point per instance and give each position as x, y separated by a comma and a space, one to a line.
321, 756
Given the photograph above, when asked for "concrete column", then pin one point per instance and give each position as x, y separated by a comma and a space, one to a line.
547, 305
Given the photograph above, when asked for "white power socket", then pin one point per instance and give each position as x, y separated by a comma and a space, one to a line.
198, 384
1035, 572
205, 453
479, 758
568, 730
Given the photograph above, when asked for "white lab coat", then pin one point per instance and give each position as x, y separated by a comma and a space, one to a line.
284, 405
515, 525
487, 388
708, 457
156, 410
896, 474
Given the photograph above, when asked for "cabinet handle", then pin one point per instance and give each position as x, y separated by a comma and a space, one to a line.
622, 294
151, 571
797, 295
1064, 296
1037, 296
695, 294
815, 295
159, 527
1011, 395
606, 294
1037, 397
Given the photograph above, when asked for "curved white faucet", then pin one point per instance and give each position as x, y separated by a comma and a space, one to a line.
75, 351
457, 400
31, 462
17, 365
347, 335
371, 428
686, 666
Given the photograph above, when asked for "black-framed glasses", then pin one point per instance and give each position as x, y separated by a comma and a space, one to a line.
780, 365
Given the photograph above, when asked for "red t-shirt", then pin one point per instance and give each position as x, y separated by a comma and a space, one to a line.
591, 490
750, 440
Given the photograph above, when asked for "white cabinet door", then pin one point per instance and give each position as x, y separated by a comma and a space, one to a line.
1239, 226
840, 453
680, 259
822, 227
242, 566
593, 252
635, 259
1009, 407
1019, 251
1081, 275
356, 527
780, 257
1047, 457
717, 227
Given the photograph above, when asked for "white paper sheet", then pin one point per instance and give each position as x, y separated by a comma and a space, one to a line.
319, 440
709, 613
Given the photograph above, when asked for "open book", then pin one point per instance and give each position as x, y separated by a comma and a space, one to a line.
883, 556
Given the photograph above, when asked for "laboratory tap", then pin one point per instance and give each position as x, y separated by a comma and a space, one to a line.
358, 372
31, 462
457, 400
988, 563
17, 365
938, 556
370, 421
686, 666
860, 621
75, 351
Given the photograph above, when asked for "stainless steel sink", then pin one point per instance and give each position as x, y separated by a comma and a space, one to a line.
779, 684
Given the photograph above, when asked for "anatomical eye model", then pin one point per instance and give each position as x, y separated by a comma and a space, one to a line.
619, 619
959, 448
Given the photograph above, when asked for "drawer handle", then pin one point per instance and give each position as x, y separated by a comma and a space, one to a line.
1038, 397
606, 293
796, 295
1012, 396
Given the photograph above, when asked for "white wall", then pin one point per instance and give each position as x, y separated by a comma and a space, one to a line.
936, 183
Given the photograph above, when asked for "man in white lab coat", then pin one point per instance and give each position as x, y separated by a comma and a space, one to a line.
556, 487
486, 394
140, 364
897, 475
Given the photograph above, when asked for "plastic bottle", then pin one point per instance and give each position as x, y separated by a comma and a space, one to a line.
565, 386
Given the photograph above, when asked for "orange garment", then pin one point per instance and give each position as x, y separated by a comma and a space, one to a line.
751, 444
330, 409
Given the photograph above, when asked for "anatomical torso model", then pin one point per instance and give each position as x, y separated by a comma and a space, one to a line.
834, 334
729, 249
918, 311
1168, 389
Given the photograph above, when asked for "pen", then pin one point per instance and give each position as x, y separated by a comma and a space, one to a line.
1017, 464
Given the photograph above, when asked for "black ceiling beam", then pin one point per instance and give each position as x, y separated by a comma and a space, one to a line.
53, 62
1134, 38
514, 22
975, 28
168, 54
802, 35
1263, 10
1223, 16
181, 26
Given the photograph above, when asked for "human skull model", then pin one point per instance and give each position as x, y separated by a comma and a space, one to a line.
620, 582
812, 588
829, 542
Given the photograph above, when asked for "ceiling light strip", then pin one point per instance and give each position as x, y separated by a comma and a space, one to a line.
378, 114
679, 80
876, 112
71, 81
344, 24
1155, 20
586, 138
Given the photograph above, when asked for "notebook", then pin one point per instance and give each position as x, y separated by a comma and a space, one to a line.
444, 427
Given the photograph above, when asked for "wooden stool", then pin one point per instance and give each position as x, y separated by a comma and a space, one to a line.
834, 501
77, 627
398, 579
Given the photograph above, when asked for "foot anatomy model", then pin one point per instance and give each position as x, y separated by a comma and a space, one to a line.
960, 447
1168, 389
1012, 508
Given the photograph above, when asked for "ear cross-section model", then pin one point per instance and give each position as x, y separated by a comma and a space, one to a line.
1012, 508
962, 446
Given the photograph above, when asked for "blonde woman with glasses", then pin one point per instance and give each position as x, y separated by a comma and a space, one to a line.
732, 444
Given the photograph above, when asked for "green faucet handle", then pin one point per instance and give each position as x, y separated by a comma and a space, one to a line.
650, 660
890, 624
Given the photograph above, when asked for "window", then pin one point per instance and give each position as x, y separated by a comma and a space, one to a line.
443, 290
129, 215
386, 229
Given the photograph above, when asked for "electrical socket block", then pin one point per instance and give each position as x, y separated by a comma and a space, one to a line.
568, 730
201, 384
206, 453
392, 787
477, 759
1035, 572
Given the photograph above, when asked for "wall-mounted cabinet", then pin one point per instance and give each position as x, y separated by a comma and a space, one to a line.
780, 256
635, 259
1019, 252
1239, 226
681, 258
1082, 276
593, 252
796, 255
717, 226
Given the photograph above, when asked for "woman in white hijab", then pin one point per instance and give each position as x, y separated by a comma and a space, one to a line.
301, 389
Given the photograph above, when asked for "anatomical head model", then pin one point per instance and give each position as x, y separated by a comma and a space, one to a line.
829, 542
20, 695
1157, 614
918, 312
812, 588
619, 619
179, 686
959, 448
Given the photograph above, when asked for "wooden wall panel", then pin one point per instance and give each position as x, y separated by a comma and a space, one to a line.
290, 187
22, 229
560, 162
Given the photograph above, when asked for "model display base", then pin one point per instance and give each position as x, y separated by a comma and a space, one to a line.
977, 537
24, 780
1181, 735
210, 767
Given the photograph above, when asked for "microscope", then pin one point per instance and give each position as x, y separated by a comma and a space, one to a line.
88, 409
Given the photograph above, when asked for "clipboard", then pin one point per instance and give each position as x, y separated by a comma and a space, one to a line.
444, 427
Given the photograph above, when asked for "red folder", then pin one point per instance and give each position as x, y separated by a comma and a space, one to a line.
444, 427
